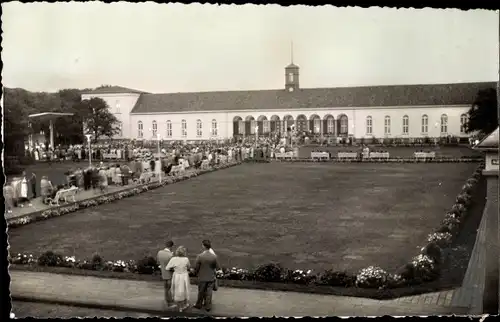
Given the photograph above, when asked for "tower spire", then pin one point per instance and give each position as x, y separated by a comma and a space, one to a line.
291, 51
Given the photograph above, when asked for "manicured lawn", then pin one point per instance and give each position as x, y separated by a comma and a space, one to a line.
317, 216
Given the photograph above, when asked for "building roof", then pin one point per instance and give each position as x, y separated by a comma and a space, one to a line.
341, 97
115, 90
292, 65
489, 143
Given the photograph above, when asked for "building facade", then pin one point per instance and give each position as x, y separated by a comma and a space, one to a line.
398, 111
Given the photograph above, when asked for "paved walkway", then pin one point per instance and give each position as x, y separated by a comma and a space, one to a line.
144, 296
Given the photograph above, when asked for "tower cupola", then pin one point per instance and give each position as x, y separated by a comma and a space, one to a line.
291, 75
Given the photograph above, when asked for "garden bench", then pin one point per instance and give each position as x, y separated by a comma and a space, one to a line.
379, 155
320, 155
347, 155
424, 155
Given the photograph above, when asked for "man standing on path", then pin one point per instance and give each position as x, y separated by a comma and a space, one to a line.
205, 267
164, 257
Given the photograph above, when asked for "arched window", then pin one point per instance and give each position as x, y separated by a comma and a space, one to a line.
387, 125
265, 126
184, 131
169, 129
155, 128
140, 129
253, 124
117, 105
317, 125
330, 125
343, 124
290, 77
369, 125
463, 123
444, 124
425, 124
241, 127
406, 124
199, 128
214, 128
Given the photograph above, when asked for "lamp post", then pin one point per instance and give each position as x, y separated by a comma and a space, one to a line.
89, 136
158, 138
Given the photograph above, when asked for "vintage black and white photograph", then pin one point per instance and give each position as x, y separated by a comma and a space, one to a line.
193, 160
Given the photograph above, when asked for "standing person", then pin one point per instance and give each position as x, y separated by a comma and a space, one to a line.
206, 264
164, 257
33, 184
180, 278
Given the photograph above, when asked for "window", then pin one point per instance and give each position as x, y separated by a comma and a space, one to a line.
169, 129
265, 126
425, 124
199, 128
369, 125
155, 128
317, 125
252, 126
214, 128
330, 125
184, 128
406, 124
241, 127
117, 105
387, 125
343, 124
120, 128
444, 124
290, 77
463, 123
140, 129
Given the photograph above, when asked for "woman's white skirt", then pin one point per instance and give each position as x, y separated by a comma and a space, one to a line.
180, 286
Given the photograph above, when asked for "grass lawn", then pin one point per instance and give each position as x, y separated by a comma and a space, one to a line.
311, 216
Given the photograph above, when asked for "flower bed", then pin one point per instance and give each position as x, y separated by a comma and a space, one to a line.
107, 198
390, 160
422, 268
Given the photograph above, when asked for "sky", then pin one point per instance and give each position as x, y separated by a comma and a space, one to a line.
163, 48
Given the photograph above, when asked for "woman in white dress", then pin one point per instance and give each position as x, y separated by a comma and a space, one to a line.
180, 278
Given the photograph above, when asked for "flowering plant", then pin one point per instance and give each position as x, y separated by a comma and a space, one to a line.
372, 277
424, 268
441, 239
299, 276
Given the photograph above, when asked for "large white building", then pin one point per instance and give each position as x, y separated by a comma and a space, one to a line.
399, 111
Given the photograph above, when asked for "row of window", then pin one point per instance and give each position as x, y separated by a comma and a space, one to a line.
199, 129
424, 124
301, 126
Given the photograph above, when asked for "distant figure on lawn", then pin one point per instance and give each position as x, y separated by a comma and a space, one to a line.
205, 267
180, 265
164, 257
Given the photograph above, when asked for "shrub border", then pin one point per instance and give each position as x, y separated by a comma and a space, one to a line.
423, 268
108, 197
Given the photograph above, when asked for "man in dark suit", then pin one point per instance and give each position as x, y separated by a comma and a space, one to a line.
164, 257
205, 267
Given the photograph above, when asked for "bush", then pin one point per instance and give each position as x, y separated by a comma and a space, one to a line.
464, 199
147, 265
407, 273
50, 259
433, 251
298, 277
458, 210
425, 269
269, 273
472, 181
97, 262
333, 278
372, 277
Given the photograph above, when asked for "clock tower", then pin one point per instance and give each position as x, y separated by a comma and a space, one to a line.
291, 76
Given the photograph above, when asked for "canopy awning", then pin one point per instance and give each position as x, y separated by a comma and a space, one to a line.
48, 116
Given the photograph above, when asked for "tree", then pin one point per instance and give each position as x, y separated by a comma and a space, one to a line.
98, 120
482, 116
